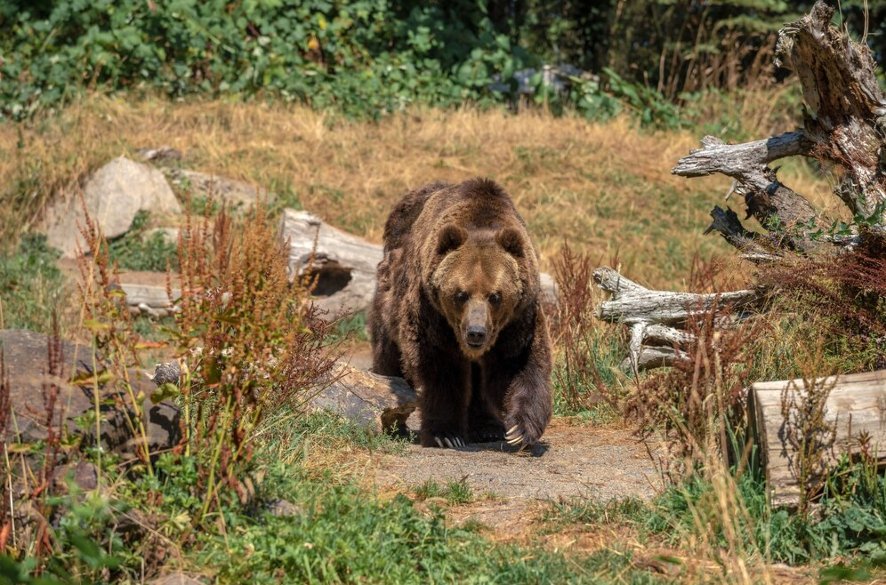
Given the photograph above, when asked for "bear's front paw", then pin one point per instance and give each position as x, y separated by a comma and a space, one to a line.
524, 430
447, 441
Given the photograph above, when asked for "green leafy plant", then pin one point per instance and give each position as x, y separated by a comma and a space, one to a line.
140, 250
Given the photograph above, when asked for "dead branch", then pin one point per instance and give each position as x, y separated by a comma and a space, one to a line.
655, 317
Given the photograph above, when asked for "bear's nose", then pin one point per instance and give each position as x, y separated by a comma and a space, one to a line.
476, 335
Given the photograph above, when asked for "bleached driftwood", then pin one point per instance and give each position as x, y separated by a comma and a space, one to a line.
844, 124
854, 407
655, 317
341, 265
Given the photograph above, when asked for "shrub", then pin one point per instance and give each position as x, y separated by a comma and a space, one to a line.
249, 342
363, 57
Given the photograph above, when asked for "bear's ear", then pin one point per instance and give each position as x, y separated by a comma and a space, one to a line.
450, 238
511, 240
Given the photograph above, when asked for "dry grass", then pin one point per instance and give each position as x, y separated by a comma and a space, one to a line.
606, 188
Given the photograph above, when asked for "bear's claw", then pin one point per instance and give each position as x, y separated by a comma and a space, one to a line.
514, 436
448, 442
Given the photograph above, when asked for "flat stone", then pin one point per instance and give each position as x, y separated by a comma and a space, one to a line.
25, 357
112, 195
235, 193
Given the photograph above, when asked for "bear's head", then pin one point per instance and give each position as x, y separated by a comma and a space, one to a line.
477, 283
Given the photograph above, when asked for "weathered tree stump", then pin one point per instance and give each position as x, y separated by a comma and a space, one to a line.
844, 124
853, 415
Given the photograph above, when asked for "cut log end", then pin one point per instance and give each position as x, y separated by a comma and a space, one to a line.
854, 406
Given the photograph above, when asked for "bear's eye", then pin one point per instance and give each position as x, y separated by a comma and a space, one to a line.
461, 297
495, 298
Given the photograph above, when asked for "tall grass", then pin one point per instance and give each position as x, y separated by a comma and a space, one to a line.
603, 187
587, 352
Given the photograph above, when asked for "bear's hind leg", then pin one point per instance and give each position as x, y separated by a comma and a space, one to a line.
443, 403
484, 426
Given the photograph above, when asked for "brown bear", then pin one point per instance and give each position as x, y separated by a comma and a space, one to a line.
456, 313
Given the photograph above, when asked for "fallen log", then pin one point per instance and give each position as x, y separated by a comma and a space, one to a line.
656, 317
854, 411
341, 266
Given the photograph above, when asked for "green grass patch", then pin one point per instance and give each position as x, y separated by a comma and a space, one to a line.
336, 532
140, 250
454, 492
583, 511
292, 435
848, 525
348, 536
30, 285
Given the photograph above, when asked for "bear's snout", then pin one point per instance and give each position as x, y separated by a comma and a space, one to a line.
475, 327
476, 335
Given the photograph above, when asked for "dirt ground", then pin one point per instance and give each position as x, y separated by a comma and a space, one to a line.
510, 487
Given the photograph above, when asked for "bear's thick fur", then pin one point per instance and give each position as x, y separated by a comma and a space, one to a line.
456, 312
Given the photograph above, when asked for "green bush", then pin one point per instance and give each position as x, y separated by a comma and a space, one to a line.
359, 57
364, 57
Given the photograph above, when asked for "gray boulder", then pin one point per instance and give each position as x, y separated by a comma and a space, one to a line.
113, 195
380, 403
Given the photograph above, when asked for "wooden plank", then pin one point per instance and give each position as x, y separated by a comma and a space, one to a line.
855, 406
